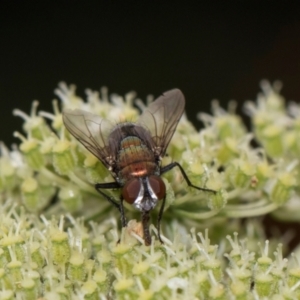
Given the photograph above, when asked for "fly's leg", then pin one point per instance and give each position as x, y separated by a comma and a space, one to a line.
109, 185
176, 164
160, 214
119, 206
123, 218
145, 222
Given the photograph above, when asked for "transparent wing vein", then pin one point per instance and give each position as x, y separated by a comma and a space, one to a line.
90, 130
162, 116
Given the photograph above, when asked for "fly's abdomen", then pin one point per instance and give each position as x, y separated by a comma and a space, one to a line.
135, 159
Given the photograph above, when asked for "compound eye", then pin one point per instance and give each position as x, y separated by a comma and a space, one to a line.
131, 190
158, 186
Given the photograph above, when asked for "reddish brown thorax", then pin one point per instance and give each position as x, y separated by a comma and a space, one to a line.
135, 159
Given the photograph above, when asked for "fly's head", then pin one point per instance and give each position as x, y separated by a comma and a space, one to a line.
144, 192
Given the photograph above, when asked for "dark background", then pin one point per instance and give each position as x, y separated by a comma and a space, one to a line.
208, 49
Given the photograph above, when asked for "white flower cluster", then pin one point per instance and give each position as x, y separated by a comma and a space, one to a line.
50, 173
44, 258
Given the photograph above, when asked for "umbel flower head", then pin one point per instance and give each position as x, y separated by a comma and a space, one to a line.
60, 240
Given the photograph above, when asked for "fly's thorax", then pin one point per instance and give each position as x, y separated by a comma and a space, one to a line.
144, 192
135, 159
125, 130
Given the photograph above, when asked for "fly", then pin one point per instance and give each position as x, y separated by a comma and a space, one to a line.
132, 152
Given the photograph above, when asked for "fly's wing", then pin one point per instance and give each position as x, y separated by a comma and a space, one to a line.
162, 116
90, 130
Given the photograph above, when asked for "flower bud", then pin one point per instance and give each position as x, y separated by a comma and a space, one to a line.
36, 277
239, 289
33, 125
7, 171
64, 291
146, 295
14, 271
31, 150
242, 275
90, 290
5, 281
229, 125
28, 288
71, 198
293, 276
16, 245
227, 150
140, 268
263, 173
7, 295
95, 171
105, 259
264, 263
63, 157
3, 259
240, 173
272, 140
215, 266
36, 255
201, 281
101, 278
217, 201
46, 187
122, 285
76, 270
51, 278
281, 191
60, 250
37, 127
264, 284
217, 292
47, 145
30, 193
